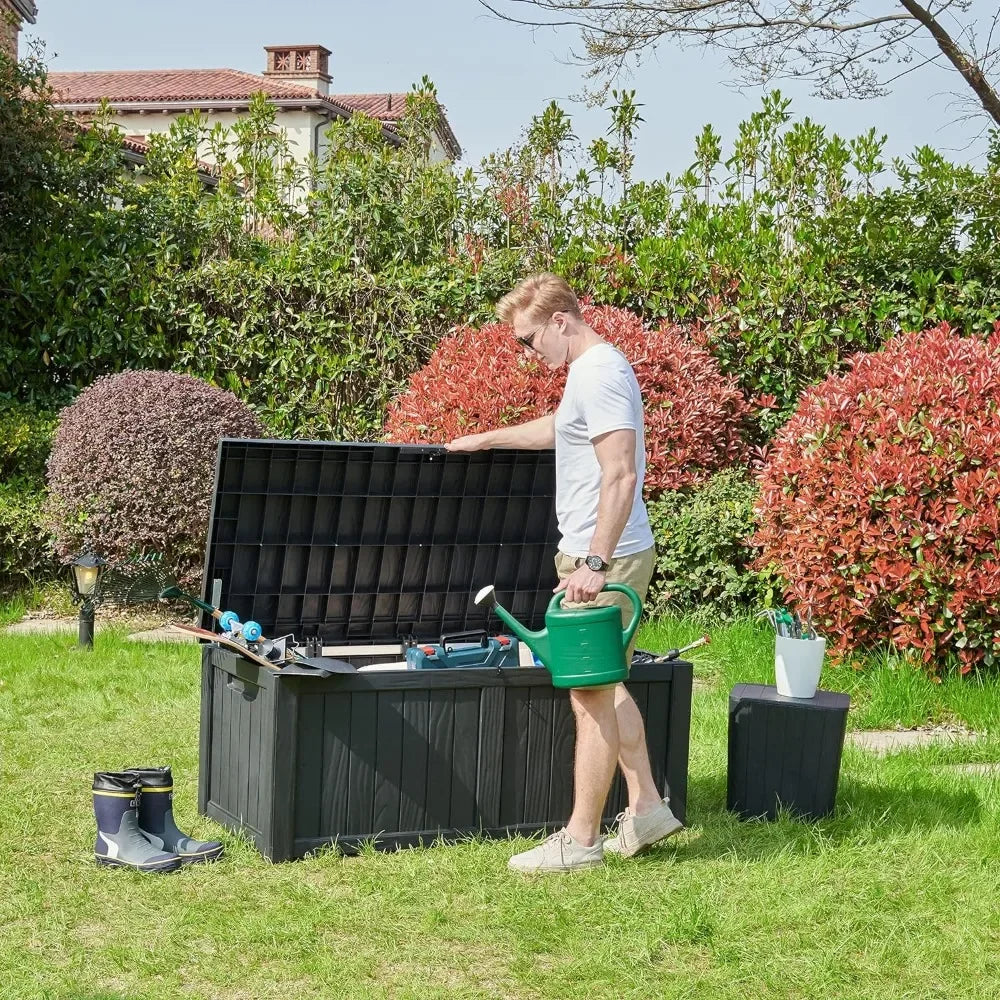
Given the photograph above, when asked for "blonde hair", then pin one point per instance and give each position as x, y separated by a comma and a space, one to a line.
539, 296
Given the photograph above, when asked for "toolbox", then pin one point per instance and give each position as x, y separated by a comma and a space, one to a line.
447, 730
452, 651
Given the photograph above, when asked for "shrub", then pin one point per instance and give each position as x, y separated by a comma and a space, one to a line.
479, 380
879, 501
25, 440
317, 347
704, 555
132, 467
24, 542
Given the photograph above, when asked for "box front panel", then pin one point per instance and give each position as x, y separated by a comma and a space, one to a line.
396, 764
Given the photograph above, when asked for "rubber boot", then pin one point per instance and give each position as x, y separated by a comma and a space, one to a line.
156, 818
119, 842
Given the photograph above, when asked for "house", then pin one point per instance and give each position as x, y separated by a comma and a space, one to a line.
13, 13
296, 80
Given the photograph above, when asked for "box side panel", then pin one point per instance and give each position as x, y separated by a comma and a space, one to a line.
832, 729
236, 746
205, 731
739, 756
678, 745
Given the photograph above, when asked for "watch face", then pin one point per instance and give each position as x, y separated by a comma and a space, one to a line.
596, 563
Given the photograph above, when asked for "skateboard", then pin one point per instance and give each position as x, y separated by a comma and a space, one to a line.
292, 663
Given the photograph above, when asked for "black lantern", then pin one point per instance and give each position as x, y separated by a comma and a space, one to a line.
85, 580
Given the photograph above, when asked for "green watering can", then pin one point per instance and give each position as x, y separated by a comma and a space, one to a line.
584, 647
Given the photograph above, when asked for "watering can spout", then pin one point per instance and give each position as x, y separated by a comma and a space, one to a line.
537, 642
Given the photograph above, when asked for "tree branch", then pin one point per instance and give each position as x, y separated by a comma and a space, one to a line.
775, 36
967, 67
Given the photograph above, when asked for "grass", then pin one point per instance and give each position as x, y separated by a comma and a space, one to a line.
893, 896
48, 596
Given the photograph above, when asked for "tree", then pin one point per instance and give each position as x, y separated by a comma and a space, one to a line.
841, 46
34, 138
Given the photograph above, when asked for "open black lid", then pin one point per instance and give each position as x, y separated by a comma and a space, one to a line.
372, 543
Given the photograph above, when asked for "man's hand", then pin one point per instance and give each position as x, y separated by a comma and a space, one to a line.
581, 585
471, 442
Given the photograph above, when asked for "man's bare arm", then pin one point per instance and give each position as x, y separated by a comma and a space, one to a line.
533, 435
616, 456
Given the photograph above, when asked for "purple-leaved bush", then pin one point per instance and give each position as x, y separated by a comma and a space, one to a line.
132, 465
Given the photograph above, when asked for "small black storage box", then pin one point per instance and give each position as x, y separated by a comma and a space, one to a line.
370, 546
784, 752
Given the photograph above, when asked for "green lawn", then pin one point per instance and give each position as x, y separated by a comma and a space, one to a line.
895, 896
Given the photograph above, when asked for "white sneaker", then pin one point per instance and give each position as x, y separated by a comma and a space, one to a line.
636, 833
558, 853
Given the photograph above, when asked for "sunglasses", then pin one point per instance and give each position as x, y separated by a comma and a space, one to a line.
529, 341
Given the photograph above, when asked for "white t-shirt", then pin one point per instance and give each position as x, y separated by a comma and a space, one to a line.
601, 395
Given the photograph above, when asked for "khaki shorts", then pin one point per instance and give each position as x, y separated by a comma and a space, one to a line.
635, 571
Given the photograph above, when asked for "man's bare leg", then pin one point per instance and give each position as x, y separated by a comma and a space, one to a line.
596, 758
633, 755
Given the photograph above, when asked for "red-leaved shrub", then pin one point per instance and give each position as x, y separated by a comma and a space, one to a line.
132, 466
479, 380
880, 500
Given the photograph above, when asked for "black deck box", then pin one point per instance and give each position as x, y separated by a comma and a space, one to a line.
784, 752
369, 547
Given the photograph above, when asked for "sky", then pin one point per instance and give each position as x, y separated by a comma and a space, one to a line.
491, 76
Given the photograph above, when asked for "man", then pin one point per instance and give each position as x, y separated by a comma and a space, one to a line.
597, 432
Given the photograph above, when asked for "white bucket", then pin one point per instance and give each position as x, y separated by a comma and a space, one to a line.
797, 665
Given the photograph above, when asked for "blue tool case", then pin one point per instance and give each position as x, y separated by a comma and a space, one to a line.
464, 649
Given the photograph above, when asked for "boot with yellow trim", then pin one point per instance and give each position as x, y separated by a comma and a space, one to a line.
119, 843
156, 818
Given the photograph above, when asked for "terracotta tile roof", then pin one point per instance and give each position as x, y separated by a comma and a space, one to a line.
152, 86
389, 108
137, 143
202, 86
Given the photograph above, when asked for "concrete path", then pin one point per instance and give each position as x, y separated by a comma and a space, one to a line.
35, 626
881, 741
69, 626
164, 633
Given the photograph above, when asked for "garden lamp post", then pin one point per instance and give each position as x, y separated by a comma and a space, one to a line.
86, 582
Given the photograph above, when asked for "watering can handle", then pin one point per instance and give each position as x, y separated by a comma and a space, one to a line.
627, 632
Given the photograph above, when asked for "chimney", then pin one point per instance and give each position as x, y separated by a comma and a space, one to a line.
305, 65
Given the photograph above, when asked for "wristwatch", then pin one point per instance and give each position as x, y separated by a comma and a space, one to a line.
596, 563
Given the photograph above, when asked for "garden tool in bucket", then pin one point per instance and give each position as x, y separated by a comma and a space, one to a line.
582, 647
798, 654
